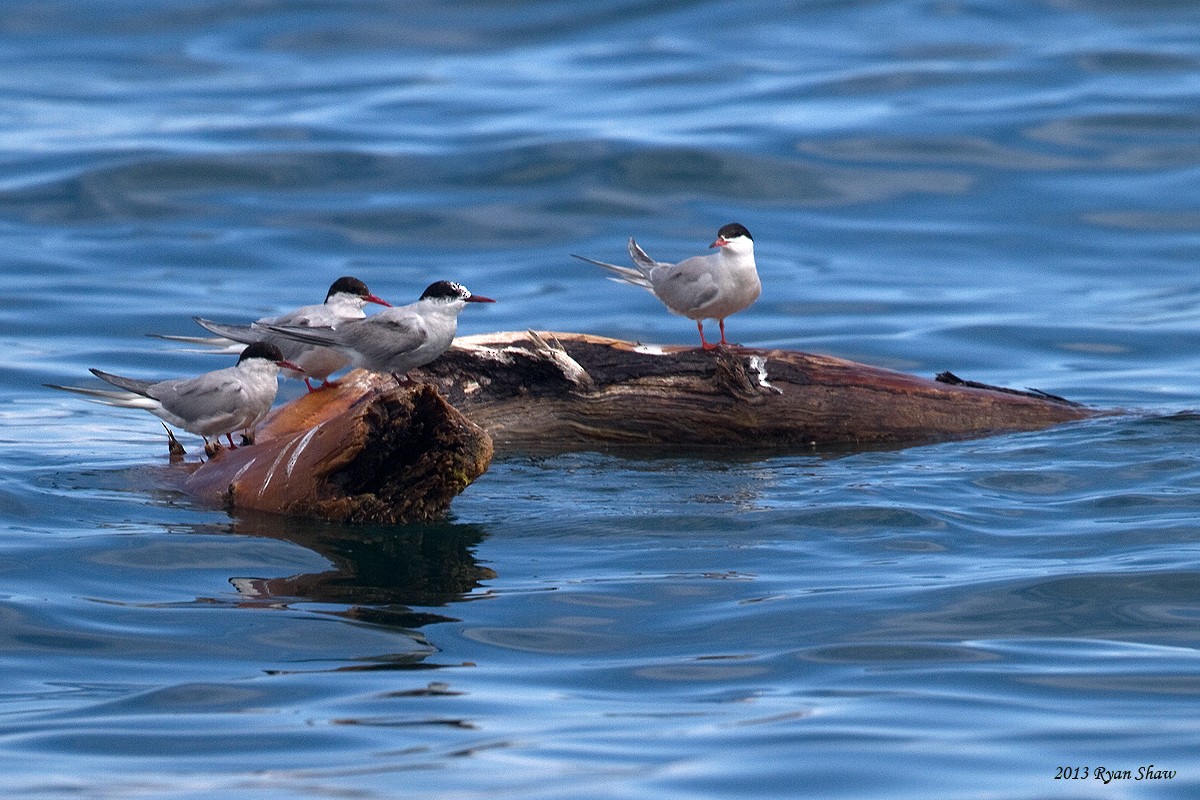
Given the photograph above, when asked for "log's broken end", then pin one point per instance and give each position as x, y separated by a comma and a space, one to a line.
357, 452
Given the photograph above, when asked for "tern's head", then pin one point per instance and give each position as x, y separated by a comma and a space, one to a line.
262, 353
735, 238
352, 290
452, 293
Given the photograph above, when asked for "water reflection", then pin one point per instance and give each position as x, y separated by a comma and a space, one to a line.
378, 572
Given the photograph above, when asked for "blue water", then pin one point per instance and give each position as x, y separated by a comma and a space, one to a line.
1003, 188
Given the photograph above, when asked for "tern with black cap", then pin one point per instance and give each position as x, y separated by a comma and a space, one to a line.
345, 300
711, 286
398, 339
211, 405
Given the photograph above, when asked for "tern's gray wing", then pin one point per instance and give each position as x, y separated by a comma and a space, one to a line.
385, 339
643, 262
204, 397
314, 316
249, 334
238, 333
322, 337
128, 384
686, 287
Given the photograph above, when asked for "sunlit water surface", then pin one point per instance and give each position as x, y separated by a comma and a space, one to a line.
1005, 189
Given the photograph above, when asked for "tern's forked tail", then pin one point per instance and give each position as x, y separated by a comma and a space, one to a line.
622, 274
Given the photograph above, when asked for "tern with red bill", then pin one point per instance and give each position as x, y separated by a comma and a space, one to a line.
345, 300
712, 286
211, 405
399, 339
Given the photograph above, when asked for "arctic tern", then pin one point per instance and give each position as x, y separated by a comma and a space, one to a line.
213, 404
399, 339
345, 300
712, 286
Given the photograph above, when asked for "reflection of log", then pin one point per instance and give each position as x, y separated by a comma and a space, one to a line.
354, 453
376, 573
572, 391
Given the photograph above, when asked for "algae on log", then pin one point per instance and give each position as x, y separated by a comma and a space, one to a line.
564, 391
355, 452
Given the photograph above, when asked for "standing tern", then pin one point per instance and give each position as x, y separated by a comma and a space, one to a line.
213, 404
345, 300
399, 339
701, 287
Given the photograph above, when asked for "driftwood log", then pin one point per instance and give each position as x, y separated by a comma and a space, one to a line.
369, 450
568, 391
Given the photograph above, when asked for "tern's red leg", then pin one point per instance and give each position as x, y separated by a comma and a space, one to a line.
232, 446
704, 343
308, 383
721, 322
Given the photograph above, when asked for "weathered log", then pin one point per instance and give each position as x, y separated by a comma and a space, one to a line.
565, 391
368, 450
362, 451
